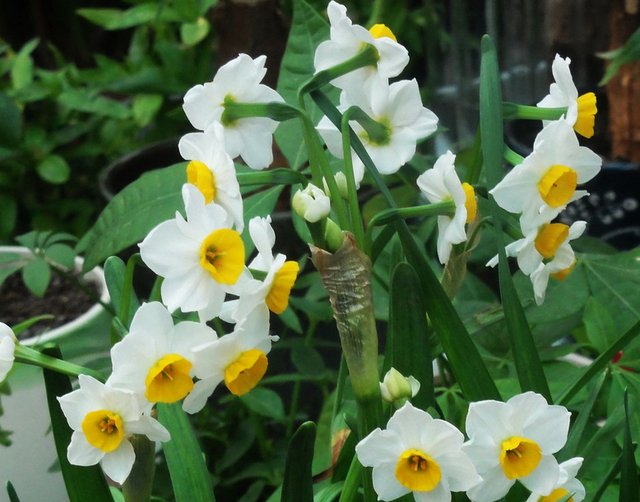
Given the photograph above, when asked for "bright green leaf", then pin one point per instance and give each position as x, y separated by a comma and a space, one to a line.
192, 33
54, 169
84, 100
145, 107
264, 402
115, 19
61, 254
22, 70
36, 275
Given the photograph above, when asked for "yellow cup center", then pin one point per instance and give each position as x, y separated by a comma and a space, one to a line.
471, 203
222, 255
168, 380
550, 237
201, 176
519, 457
587, 110
556, 495
103, 430
244, 373
558, 185
278, 297
380, 30
417, 471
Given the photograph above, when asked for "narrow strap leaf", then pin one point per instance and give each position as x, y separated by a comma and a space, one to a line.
297, 485
11, 491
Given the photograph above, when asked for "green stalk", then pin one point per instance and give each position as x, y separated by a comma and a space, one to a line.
278, 176
138, 486
513, 158
512, 111
30, 356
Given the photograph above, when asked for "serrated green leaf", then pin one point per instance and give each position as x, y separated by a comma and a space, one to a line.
61, 254
133, 213
36, 275
189, 475
84, 100
54, 169
82, 483
297, 484
192, 33
145, 107
11, 123
264, 402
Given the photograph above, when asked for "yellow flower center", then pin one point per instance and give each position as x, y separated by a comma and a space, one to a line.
558, 184
103, 430
201, 176
278, 297
380, 30
519, 457
586, 115
562, 275
244, 373
417, 471
550, 237
555, 495
471, 203
168, 380
222, 255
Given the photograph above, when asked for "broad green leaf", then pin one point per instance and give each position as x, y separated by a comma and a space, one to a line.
258, 204
192, 33
189, 475
599, 325
115, 19
22, 69
36, 275
61, 254
297, 485
145, 107
82, 483
133, 213
525, 355
84, 100
264, 402
308, 30
629, 487
54, 169
11, 123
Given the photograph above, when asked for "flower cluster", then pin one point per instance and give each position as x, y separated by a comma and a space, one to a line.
509, 442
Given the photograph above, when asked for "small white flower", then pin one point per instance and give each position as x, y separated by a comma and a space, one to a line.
239, 358
155, 359
347, 40
200, 258
103, 419
418, 454
212, 170
311, 204
513, 441
567, 483
581, 110
546, 180
396, 387
398, 108
439, 184
238, 81
7, 349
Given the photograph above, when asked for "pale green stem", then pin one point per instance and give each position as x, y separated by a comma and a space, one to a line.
27, 355
512, 157
512, 111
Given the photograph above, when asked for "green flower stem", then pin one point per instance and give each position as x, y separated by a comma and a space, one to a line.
274, 110
368, 56
279, 176
317, 229
512, 157
137, 487
512, 111
30, 356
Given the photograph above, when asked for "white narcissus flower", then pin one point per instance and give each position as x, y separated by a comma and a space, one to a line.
513, 441
567, 483
347, 40
155, 359
212, 171
581, 110
103, 419
418, 454
311, 204
398, 109
7, 349
239, 359
200, 258
238, 81
547, 178
439, 184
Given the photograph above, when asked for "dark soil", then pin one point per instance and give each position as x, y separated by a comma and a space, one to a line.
63, 300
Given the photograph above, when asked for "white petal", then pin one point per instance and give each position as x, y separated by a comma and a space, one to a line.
459, 471
379, 447
385, 483
482, 421
494, 486
544, 478
80, 452
117, 464
197, 398
150, 427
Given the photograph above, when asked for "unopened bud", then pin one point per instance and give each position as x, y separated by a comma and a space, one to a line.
341, 181
311, 204
396, 388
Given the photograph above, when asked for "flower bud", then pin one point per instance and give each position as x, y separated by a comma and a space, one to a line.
397, 389
311, 204
341, 181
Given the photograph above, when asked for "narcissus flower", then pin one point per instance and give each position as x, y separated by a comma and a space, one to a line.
7, 349
237, 81
581, 112
418, 454
567, 483
348, 39
439, 184
155, 359
239, 359
546, 180
200, 258
103, 419
513, 441
398, 109
311, 203
212, 171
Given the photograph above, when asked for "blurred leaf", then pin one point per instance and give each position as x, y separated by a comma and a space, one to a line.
264, 402
8, 215
54, 169
36, 275
297, 485
240, 440
629, 487
11, 123
599, 325
192, 33
189, 476
61, 254
115, 19
11, 491
308, 361
22, 70
145, 107
628, 53
84, 100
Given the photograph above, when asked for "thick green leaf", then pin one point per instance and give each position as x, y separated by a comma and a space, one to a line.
525, 355
36, 275
84, 100
11, 123
54, 169
264, 402
629, 487
82, 483
259, 204
133, 213
297, 485
189, 475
